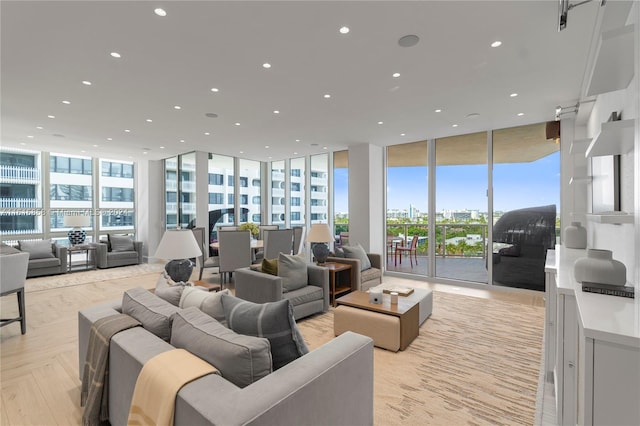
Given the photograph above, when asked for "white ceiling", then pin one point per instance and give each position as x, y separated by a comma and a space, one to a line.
50, 47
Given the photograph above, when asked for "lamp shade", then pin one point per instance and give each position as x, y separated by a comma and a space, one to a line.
320, 233
76, 220
178, 244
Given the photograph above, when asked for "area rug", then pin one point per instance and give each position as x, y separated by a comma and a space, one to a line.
85, 277
475, 362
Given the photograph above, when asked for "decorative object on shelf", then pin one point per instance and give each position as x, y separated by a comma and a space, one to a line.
375, 297
251, 227
601, 268
575, 236
179, 246
76, 235
319, 235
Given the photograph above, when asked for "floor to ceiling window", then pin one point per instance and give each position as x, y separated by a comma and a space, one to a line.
171, 192
221, 194
526, 199
249, 201
298, 192
277, 192
187, 194
116, 195
319, 184
407, 208
340, 192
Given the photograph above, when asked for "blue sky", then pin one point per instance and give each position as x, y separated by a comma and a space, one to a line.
516, 185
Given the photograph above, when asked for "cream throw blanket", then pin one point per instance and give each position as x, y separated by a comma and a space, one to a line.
161, 378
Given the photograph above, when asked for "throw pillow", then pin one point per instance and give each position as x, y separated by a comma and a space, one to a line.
339, 252
153, 313
37, 249
168, 289
121, 242
293, 271
270, 266
209, 303
240, 359
357, 252
273, 320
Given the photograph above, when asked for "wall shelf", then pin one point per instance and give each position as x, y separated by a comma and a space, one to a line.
615, 137
613, 68
616, 218
579, 146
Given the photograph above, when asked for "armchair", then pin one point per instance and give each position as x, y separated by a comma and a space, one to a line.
45, 257
260, 287
110, 259
362, 280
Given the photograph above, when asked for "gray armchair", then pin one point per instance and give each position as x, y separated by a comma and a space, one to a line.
260, 287
13, 274
45, 258
111, 259
362, 280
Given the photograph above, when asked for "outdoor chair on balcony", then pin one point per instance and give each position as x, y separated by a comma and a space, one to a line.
412, 249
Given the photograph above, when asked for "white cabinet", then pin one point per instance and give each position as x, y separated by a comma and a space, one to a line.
596, 365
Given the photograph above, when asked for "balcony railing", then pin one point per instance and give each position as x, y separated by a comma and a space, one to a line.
19, 174
18, 203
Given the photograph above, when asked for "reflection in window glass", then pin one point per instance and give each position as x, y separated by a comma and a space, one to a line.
277, 193
298, 191
171, 192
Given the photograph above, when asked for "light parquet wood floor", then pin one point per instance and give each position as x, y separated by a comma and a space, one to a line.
38, 371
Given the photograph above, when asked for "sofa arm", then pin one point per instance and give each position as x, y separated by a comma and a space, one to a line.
319, 277
257, 287
62, 254
375, 259
356, 277
137, 246
101, 255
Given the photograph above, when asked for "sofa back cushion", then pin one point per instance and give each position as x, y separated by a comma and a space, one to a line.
293, 271
357, 252
168, 289
37, 249
153, 313
120, 242
240, 359
273, 320
209, 303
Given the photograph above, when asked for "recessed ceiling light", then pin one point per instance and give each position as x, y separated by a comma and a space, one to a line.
115, 54
22, 143
295, 153
455, 125
215, 89
496, 43
266, 146
109, 139
408, 40
162, 147
30, 136
324, 147
181, 140
86, 83
241, 152
275, 111
95, 145
177, 107
438, 110
149, 120
237, 124
144, 152
396, 74
127, 130
402, 134
160, 12
520, 114
327, 96
51, 116
66, 102
513, 95
380, 122
344, 30
297, 140
270, 157
83, 151
39, 127
266, 65
207, 133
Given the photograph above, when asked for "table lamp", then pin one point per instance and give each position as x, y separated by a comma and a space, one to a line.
179, 246
319, 235
76, 235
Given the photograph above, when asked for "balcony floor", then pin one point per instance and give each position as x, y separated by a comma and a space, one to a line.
459, 268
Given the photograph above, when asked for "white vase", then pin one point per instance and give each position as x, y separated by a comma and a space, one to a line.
575, 236
600, 267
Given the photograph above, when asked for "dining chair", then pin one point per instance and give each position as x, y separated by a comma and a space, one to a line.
13, 274
266, 228
277, 241
204, 261
234, 252
344, 239
298, 238
411, 249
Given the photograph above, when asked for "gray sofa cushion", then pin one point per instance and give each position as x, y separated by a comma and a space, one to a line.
240, 359
7, 249
123, 255
293, 271
121, 243
168, 289
44, 263
370, 274
357, 252
37, 249
273, 320
304, 295
207, 302
153, 313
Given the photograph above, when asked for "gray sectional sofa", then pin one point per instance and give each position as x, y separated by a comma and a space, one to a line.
331, 385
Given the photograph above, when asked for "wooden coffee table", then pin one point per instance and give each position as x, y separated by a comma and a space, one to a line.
407, 311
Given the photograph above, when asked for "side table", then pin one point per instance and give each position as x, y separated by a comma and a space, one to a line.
207, 286
90, 262
338, 283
